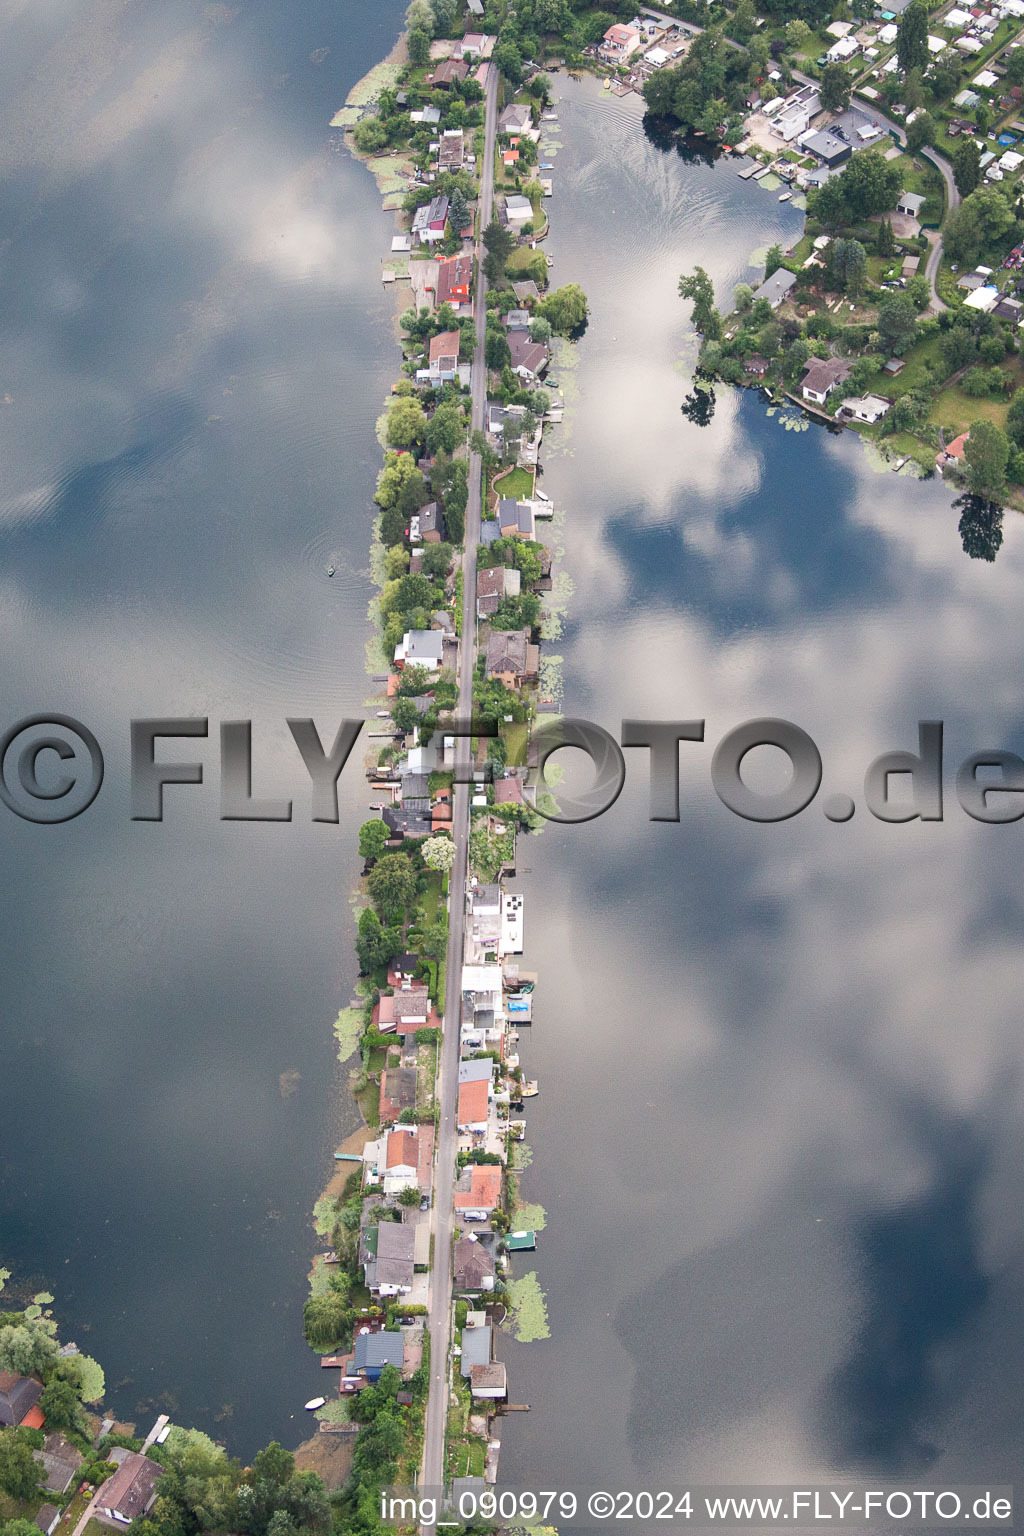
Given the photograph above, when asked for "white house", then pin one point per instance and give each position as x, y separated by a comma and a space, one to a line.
869, 408
983, 299
985, 80
518, 208
888, 34
845, 49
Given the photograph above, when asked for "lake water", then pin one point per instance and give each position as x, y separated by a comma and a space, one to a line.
779, 1131
195, 345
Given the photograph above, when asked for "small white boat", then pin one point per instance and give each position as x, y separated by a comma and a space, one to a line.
315, 1402
784, 197
541, 495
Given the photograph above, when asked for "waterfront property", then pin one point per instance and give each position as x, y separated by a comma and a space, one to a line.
130, 1493
18, 1396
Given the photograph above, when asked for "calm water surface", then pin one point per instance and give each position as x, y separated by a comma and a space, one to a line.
195, 343
780, 1126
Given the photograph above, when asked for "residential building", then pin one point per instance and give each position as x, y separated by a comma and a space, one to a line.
511, 658
18, 1396
404, 821
429, 522
60, 1461
48, 1518
131, 1493
525, 290
529, 358
476, 1347
494, 584
827, 147
619, 43
821, 376
430, 219
474, 1099
515, 518
397, 1092
373, 1351
451, 151
390, 1271
478, 1191
475, 45
776, 288
454, 283
515, 118
473, 1267
867, 408
443, 356
447, 73
420, 648
404, 1010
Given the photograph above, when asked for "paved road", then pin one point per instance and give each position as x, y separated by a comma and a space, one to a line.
439, 1320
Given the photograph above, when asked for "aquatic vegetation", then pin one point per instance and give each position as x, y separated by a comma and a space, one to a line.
348, 1027
528, 1309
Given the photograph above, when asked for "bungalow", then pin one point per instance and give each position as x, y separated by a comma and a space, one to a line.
473, 1268
953, 452
474, 1099
451, 151
619, 43
517, 320
397, 1092
511, 659
757, 367
982, 299
526, 290
430, 219
985, 80
515, 519
515, 119
1010, 309
48, 1519
821, 376
18, 1396
404, 1158
478, 1191
529, 358
868, 408
845, 48
373, 1351
443, 357
447, 73
826, 147
60, 1461
420, 648
404, 1010
976, 279
475, 45
131, 1493
910, 203
454, 282
509, 789
494, 584
776, 287
390, 1271
406, 821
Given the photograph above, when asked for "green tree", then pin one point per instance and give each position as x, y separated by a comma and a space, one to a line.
912, 37
373, 836
434, 940
921, 131
446, 428
982, 219
867, 184
797, 33
370, 135
886, 239
26, 1347
966, 160
20, 1473
392, 886
418, 44
375, 945
406, 423
743, 296
496, 350
982, 119
774, 260
1015, 419
326, 1321
61, 1405
975, 382
540, 329
698, 287
897, 323
986, 452
566, 309
439, 853
1014, 63
835, 88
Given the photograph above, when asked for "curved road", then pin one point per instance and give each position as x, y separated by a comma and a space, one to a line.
439, 1321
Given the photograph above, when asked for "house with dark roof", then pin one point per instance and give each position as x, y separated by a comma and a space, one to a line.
515, 118
821, 376
492, 585
447, 73
60, 1461
511, 658
473, 1266
451, 150
131, 1493
529, 358
776, 287
476, 1348
430, 524
48, 1519
429, 220
397, 1092
515, 518
404, 821
18, 1396
393, 1268
373, 1351
489, 1381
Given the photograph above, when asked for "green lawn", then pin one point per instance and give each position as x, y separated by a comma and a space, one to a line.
518, 483
952, 408
914, 375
